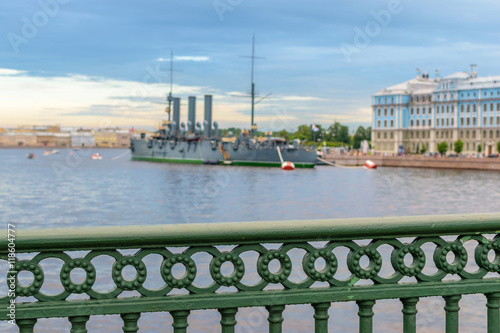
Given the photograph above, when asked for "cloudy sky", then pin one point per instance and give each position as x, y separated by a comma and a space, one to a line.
102, 63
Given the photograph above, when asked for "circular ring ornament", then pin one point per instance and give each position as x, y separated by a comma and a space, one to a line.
78, 288
38, 277
187, 279
139, 279
418, 264
482, 256
460, 257
328, 272
373, 267
237, 274
285, 266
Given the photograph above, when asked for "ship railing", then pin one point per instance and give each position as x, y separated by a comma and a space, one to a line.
378, 255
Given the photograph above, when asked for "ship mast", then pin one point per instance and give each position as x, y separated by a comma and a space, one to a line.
253, 126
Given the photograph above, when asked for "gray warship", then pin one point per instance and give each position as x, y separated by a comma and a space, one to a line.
177, 142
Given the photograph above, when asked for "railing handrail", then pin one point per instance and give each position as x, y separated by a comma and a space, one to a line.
123, 237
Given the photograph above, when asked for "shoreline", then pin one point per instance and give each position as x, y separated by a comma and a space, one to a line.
453, 163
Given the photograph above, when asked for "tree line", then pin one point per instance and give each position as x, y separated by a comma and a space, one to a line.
335, 135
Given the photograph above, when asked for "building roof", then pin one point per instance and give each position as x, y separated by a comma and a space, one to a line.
417, 85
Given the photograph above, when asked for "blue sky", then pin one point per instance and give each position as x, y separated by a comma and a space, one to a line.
87, 63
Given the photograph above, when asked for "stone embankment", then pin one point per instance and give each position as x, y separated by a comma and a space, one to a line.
490, 164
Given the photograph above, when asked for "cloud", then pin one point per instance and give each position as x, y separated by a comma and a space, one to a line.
9, 72
301, 98
186, 58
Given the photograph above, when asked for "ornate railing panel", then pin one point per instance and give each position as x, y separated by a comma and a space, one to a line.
274, 273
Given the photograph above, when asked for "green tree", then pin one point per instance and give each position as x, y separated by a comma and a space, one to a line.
498, 147
339, 133
303, 133
423, 149
442, 148
479, 148
458, 146
284, 134
359, 136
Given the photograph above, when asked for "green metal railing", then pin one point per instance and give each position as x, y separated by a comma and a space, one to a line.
273, 241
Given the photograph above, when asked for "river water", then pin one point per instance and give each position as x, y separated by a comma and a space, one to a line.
69, 189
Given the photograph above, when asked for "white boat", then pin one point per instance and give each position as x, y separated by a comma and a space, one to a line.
51, 152
96, 156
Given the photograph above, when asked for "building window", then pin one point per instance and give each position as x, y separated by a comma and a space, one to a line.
473, 146
484, 121
418, 110
491, 121
473, 134
385, 112
461, 121
392, 135
498, 134
447, 108
498, 106
411, 111
467, 134
467, 146
378, 135
385, 123
491, 107
411, 122
452, 124
485, 107
452, 109
461, 108
468, 121
474, 122
378, 123
430, 110
392, 100
417, 134
484, 134
447, 122
468, 107
491, 134
411, 99
392, 112
385, 100
423, 110
461, 134
417, 99
385, 135
411, 135
418, 122
473, 107
392, 123
498, 120
423, 122
430, 121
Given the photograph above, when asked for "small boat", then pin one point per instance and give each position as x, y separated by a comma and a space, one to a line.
30, 156
51, 152
370, 165
96, 156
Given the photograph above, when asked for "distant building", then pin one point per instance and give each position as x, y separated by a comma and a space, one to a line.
123, 139
46, 139
62, 139
105, 139
426, 111
82, 139
12, 139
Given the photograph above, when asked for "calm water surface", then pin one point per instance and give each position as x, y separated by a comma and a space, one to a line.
67, 190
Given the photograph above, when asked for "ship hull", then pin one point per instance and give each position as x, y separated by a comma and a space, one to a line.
213, 152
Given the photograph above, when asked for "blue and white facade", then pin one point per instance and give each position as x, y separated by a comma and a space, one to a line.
426, 111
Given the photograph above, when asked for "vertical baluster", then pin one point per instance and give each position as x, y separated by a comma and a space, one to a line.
275, 318
130, 322
409, 314
78, 324
365, 316
228, 319
180, 323
26, 325
321, 317
451, 307
493, 305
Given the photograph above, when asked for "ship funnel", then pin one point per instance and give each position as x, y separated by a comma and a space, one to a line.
191, 114
208, 116
177, 114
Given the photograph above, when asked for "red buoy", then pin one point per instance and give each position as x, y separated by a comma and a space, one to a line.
287, 166
370, 165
